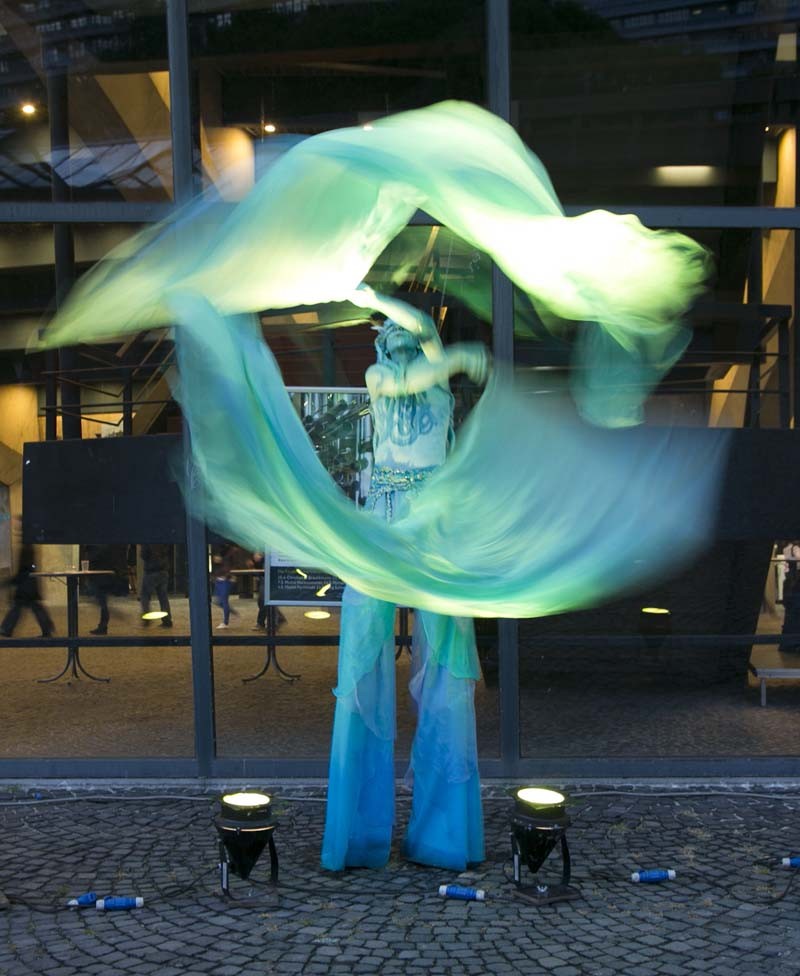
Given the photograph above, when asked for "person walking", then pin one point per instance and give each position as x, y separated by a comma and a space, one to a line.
26, 596
223, 562
155, 580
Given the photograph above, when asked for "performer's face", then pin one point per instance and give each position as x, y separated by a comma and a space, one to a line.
400, 344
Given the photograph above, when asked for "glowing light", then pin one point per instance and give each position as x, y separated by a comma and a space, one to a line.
686, 175
323, 589
316, 614
28, 109
540, 797
245, 801
655, 610
269, 127
301, 573
367, 128
155, 615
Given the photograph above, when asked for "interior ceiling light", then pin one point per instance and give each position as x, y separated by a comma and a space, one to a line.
538, 823
245, 827
28, 108
269, 127
686, 175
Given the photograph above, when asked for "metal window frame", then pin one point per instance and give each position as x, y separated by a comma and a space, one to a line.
510, 763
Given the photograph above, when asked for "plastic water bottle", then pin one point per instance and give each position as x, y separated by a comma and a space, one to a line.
653, 876
459, 891
118, 904
791, 862
82, 900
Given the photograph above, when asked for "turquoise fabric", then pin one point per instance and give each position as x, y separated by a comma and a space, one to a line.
533, 513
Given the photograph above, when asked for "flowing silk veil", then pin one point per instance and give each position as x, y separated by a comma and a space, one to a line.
535, 512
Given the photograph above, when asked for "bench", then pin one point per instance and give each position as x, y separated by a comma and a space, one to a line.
767, 663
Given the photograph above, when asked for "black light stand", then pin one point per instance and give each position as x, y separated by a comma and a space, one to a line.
245, 827
539, 823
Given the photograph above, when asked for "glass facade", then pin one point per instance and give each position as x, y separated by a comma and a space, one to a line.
685, 116
85, 102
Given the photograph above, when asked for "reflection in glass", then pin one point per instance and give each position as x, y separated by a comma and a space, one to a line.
84, 100
97, 700
270, 73
664, 105
598, 683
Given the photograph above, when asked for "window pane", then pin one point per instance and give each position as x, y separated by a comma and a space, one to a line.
85, 102
269, 71
672, 106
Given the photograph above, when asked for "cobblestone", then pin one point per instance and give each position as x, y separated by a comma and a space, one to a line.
726, 850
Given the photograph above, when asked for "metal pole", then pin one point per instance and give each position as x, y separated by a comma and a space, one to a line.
205, 734
63, 246
196, 536
127, 406
784, 375
498, 81
754, 297
180, 100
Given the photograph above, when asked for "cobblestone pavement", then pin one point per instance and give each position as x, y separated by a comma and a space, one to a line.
731, 911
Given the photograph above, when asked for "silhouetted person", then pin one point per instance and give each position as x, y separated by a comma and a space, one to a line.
257, 562
26, 596
112, 558
155, 579
223, 562
791, 600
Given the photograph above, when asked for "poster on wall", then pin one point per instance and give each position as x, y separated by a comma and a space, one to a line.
340, 427
288, 584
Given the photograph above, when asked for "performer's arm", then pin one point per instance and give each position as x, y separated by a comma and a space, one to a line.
414, 320
471, 358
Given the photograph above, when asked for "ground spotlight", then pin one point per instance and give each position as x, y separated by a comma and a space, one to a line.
655, 623
538, 823
245, 826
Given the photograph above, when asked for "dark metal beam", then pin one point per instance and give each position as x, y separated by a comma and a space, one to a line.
205, 735
180, 113
498, 96
75, 212
98, 212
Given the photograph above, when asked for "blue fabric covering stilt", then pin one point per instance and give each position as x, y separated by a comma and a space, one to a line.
360, 811
446, 826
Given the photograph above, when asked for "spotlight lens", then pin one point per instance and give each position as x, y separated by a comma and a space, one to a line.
655, 610
28, 109
269, 127
540, 797
246, 801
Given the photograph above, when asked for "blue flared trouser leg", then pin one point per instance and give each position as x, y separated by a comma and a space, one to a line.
446, 825
360, 810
